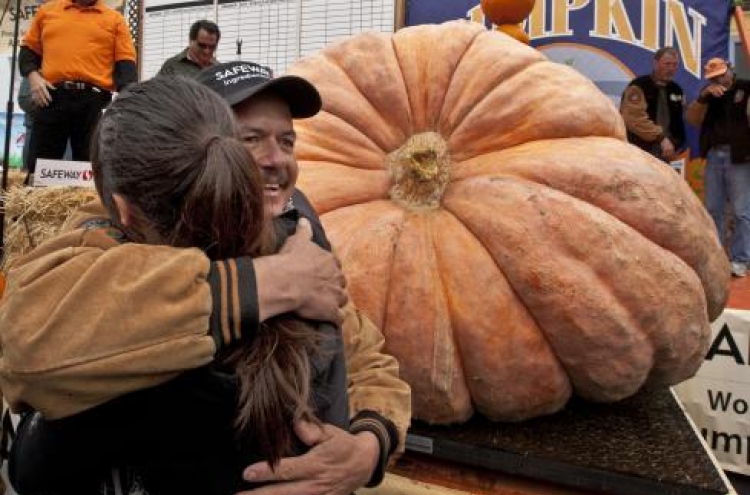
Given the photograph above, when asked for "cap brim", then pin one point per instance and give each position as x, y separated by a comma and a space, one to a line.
302, 97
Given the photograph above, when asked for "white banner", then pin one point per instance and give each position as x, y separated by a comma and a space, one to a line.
718, 397
61, 173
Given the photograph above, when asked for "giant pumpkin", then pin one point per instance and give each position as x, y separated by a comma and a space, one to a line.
493, 221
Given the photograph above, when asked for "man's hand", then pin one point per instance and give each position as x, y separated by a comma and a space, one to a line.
303, 278
667, 149
337, 464
40, 89
714, 89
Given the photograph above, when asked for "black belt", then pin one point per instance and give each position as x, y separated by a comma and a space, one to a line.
80, 86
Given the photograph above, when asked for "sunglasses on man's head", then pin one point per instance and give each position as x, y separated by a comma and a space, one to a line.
206, 46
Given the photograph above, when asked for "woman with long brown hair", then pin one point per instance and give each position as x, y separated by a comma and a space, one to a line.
170, 170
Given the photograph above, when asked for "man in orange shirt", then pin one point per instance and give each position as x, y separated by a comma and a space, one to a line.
75, 54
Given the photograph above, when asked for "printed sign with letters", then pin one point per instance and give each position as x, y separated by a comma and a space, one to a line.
718, 397
61, 173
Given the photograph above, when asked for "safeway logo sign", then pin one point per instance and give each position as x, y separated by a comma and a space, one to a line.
61, 173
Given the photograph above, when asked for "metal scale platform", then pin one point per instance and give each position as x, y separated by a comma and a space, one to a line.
644, 445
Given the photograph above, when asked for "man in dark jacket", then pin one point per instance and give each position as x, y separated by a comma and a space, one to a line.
652, 107
203, 38
721, 111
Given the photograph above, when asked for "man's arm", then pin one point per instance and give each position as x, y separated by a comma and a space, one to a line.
301, 278
633, 110
24, 98
85, 319
340, 462
696, 111
29, 64
375, 390
28, 61
81, 321
125, 72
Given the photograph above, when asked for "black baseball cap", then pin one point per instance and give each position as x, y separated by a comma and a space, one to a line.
237, 81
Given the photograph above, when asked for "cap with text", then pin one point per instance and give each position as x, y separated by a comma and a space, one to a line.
715, 67
237, 81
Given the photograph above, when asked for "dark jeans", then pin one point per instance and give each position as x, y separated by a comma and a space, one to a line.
71, 115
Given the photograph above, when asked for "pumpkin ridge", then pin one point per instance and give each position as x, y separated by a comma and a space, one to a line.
575, 200
530, 314
346, 186
329, 140
588, 274
351, 126
662, 204
422, 304
448, 336
337, 70
450, 82
459, 355
384, 122
351, 226
384, 317
547, 367
518, 128
615, 290
343, 166
446, 206
501, 80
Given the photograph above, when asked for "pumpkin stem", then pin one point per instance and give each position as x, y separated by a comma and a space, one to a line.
420, 170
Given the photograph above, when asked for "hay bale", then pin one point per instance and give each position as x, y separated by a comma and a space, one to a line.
15, 178
33, 215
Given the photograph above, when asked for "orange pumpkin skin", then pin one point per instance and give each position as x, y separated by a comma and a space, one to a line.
493, 222
507, 11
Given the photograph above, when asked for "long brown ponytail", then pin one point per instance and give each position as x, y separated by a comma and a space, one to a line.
170, 147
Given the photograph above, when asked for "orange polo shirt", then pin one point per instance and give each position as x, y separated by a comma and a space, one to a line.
79, 43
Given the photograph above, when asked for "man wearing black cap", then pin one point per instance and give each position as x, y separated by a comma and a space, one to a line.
339, 461
264, 107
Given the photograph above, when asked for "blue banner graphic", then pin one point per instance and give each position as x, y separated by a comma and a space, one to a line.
610, 41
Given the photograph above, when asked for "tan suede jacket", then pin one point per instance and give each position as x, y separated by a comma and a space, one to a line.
86, 319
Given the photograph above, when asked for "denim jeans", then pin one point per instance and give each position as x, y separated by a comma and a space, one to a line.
727, 181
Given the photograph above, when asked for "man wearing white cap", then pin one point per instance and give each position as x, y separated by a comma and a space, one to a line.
721, 112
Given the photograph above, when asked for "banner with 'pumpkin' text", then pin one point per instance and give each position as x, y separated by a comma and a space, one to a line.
612, 41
